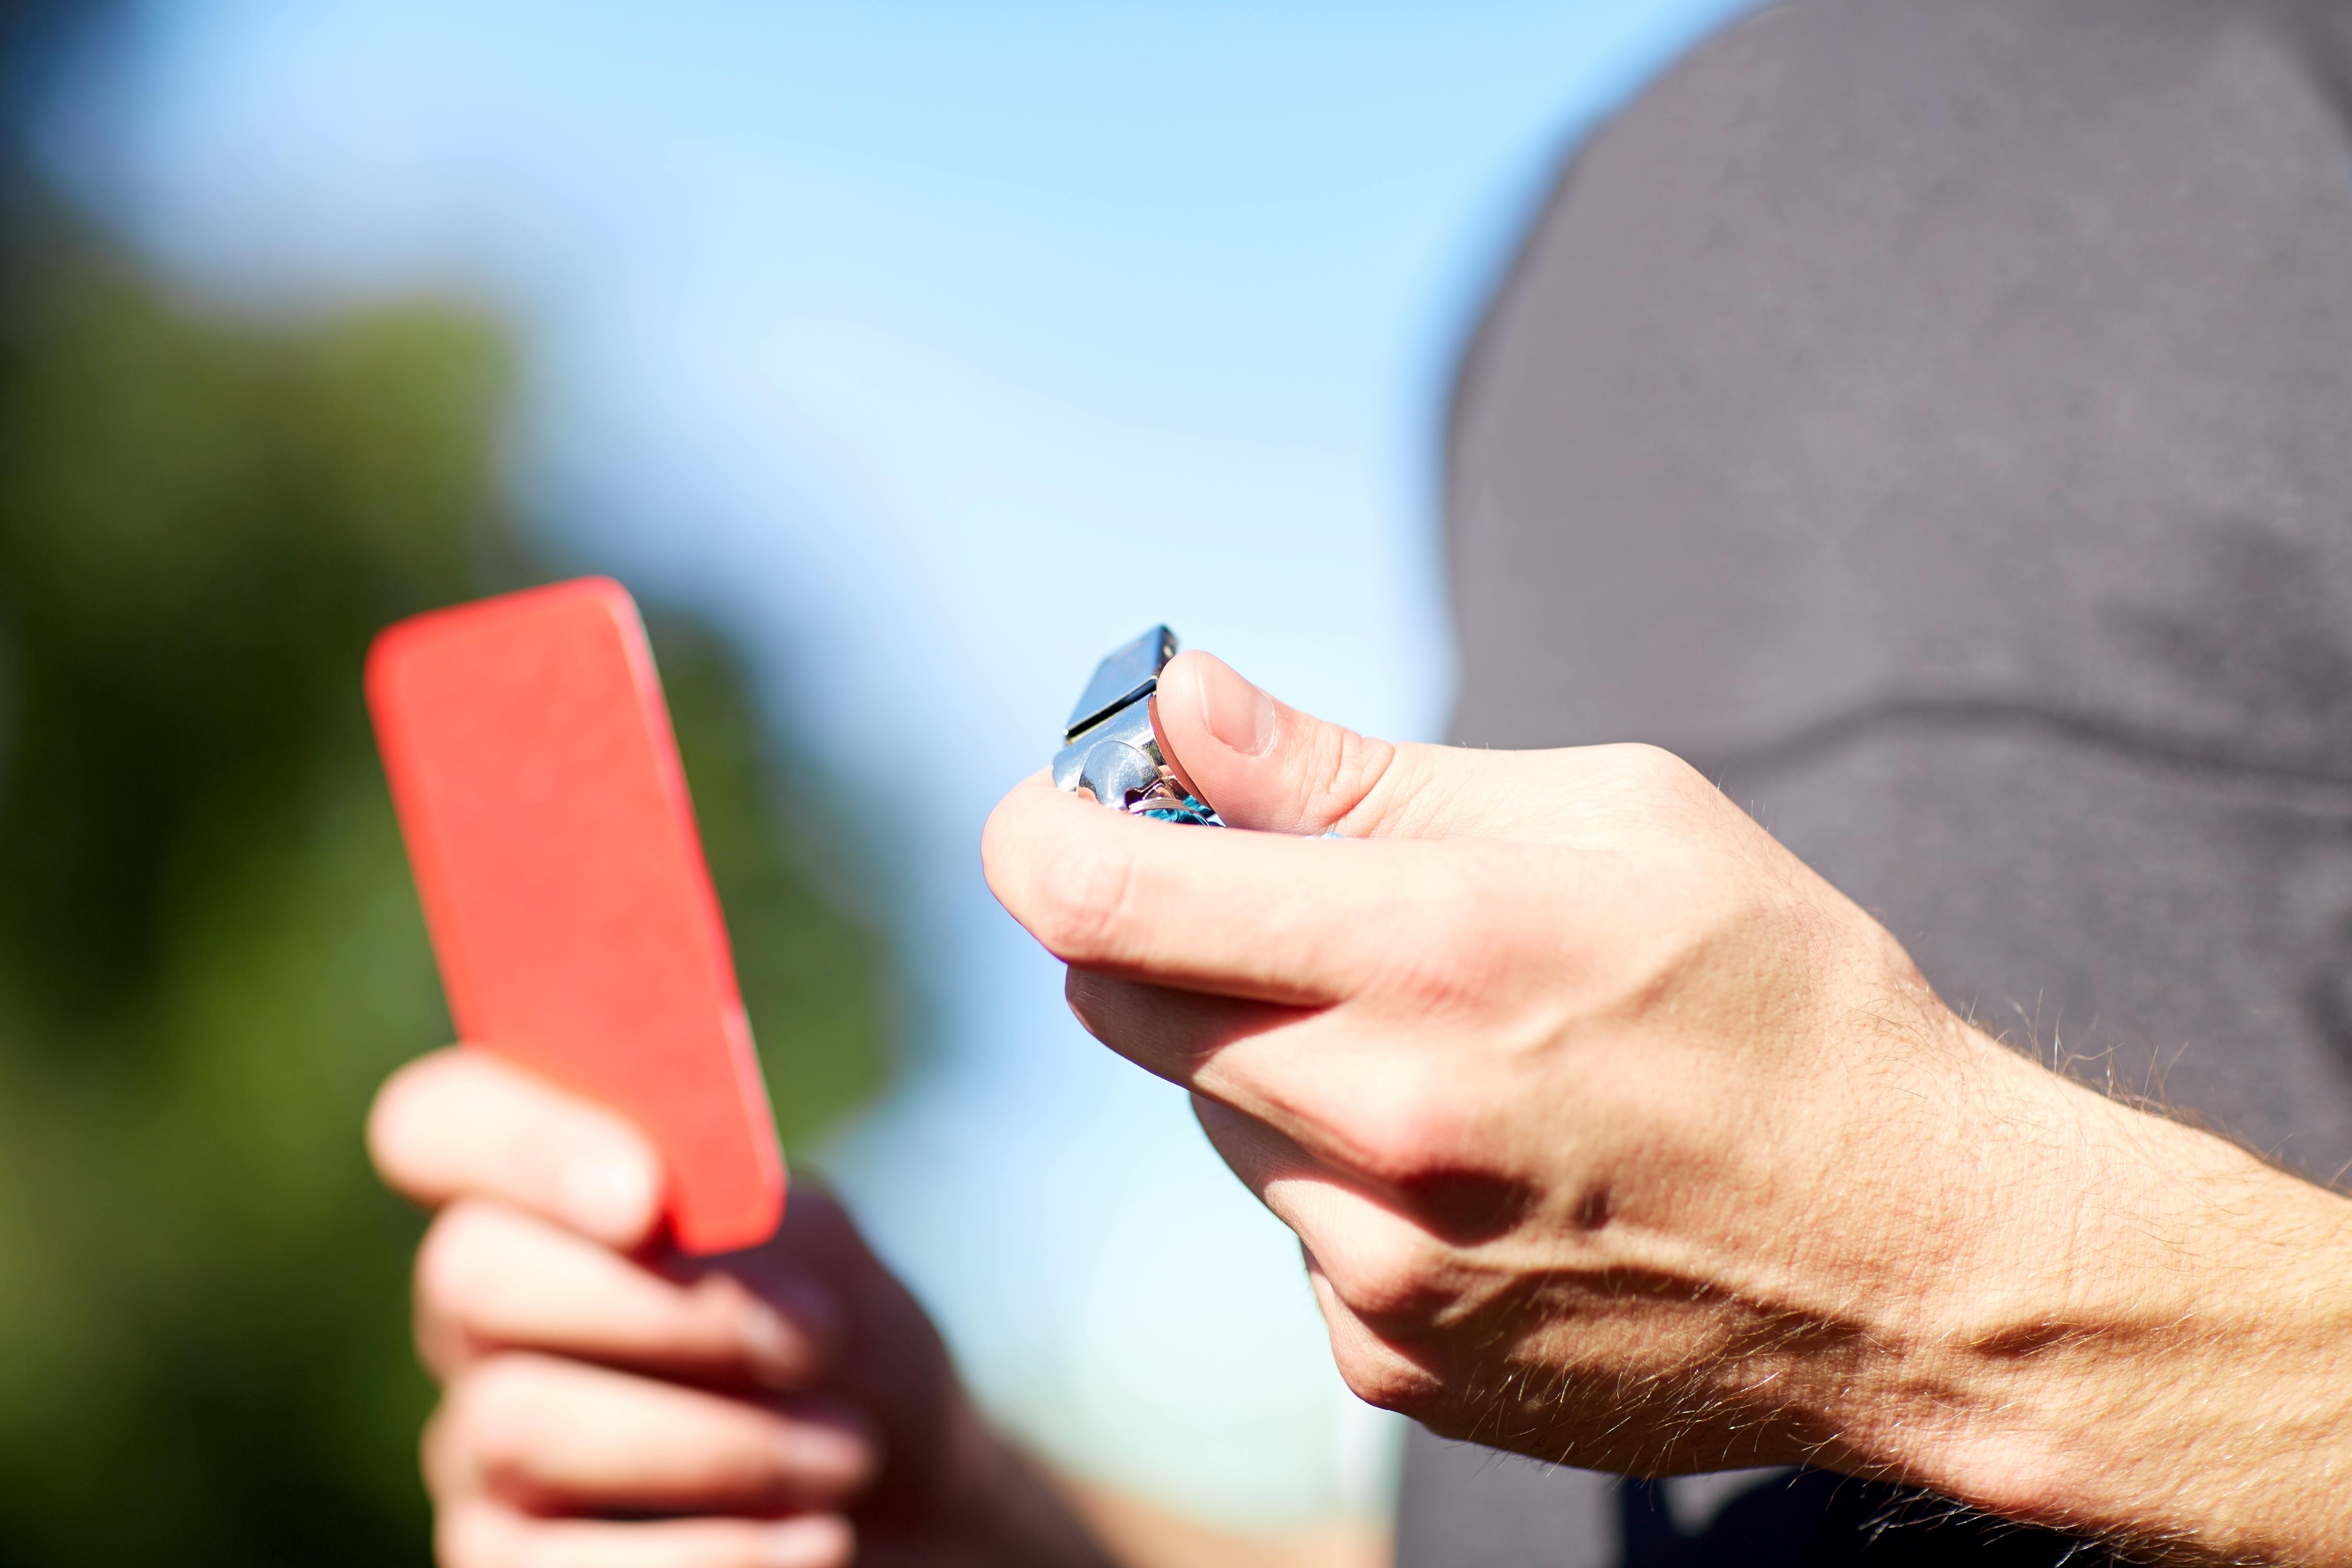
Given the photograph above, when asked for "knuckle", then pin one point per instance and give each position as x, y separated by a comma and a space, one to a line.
470, 1537
1402, 1129
1348, 784
842, 1550
441, 1459
1392, 1276
536, 1545
1082, 901
457, 1264
1093, 1001
1655, 782
1379, 1376
396, 1116
1652, 769
496, 1416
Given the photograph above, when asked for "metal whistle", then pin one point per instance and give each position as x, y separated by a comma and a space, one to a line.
1108, 747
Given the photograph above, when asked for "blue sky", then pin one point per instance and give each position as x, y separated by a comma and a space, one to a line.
934, 350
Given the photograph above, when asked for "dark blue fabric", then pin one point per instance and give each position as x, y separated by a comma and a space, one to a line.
1815, 1520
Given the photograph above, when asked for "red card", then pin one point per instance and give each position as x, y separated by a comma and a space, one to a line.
555, 852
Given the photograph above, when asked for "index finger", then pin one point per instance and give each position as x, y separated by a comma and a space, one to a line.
460, 1123
1301, 921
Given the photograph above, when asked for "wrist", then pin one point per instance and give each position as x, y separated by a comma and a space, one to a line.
2146, 1342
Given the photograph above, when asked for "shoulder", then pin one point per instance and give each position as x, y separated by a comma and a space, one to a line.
1850, 306
1809, 156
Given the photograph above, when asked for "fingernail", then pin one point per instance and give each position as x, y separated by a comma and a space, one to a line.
824, 1452
608, 1195
815, 1540
783, 1336
778, 1353
1238, 714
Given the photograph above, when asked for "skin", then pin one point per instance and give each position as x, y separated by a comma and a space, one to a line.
788, 1407
1612, 1134
608, 1404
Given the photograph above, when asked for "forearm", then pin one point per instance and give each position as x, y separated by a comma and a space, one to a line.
2152, 1343
1615, 1136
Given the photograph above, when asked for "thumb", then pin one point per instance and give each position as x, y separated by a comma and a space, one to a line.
1265, 764
462, 1123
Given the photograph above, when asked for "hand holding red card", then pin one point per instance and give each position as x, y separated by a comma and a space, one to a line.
554, 848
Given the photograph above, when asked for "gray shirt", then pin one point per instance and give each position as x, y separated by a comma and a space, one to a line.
1934, 418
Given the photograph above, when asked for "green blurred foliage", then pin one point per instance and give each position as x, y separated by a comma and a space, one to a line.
210, 953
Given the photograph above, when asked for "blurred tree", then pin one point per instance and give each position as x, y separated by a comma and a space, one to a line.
209, 949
